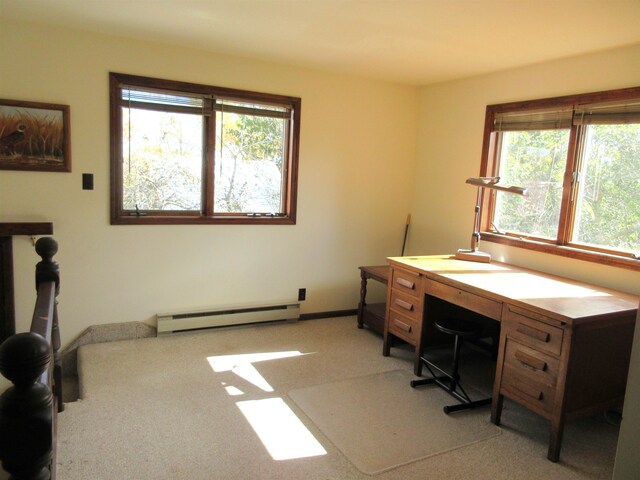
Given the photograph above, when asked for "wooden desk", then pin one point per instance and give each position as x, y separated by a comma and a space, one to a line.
372, 314
564, 345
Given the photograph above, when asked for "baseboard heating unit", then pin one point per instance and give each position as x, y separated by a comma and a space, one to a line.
226, 316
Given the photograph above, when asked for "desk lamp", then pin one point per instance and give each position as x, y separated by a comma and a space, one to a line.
473, 254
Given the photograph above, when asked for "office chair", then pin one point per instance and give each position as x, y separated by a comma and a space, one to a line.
450, 382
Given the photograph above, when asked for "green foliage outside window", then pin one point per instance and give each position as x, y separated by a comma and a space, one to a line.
536, 160
250, 162
608, 200
609, 210
162, 160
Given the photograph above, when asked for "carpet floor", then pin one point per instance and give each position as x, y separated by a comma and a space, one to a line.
218, 405
351, 411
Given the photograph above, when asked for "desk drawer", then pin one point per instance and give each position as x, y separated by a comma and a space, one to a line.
406, 282
403, 327
534, 395
406, 305
525, 327
530, 365
470, 301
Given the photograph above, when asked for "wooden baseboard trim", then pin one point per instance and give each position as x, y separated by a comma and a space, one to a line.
335, 313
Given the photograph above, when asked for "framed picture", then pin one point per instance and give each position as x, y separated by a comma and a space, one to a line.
34, 136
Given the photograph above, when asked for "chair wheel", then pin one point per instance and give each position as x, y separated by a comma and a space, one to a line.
412, 383
446, 410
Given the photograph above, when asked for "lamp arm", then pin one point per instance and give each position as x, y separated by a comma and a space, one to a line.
475, 237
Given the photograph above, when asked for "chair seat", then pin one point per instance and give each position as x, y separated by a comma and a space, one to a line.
458, 326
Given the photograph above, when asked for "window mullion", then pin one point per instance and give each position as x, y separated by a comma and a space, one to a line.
208, 177
286, 174
491, 170
569, 188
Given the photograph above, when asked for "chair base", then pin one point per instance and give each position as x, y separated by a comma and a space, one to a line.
451, 385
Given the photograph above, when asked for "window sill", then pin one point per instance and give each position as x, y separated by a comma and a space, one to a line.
197, 220
564, 251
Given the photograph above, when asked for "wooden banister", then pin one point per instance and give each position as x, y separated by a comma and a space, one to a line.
31, 361
7, 231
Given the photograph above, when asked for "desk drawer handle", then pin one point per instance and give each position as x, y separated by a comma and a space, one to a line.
529, 391
402, 304
530, 362
402, 325
533, 332
405, 283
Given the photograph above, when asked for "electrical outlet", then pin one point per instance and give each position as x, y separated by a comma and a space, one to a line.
302, 294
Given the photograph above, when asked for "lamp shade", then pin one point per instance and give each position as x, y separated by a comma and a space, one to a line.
494, 184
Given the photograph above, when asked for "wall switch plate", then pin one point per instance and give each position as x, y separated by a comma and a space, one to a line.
87, 181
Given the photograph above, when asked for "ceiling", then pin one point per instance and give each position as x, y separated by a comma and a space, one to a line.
415, 42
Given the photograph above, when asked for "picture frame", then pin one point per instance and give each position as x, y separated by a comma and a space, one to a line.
34, 136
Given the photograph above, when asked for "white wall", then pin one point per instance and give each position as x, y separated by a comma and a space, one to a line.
357, 157
450, 143
627, 463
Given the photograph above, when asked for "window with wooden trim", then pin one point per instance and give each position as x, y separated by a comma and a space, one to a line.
189, 153
579, 158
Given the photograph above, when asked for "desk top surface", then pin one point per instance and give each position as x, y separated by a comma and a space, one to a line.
563, 298
377, 272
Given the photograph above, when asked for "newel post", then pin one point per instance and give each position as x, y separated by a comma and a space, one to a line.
26, 408
48, 270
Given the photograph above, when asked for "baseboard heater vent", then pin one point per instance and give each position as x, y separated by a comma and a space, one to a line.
223, 317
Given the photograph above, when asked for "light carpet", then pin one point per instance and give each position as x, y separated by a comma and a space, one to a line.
170, 409
360, 416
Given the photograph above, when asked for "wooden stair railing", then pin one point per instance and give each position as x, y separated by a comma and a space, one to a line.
31, 361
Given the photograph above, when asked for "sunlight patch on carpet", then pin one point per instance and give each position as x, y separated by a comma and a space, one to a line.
281, 432
279, 429
242, 365
225, 363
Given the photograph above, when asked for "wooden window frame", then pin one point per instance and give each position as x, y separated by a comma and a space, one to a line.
489, 166
121, 216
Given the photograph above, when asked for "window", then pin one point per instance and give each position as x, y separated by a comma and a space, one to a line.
187, 153
579, 158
